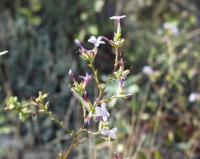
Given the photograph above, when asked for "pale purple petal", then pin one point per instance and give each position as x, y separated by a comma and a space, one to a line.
113, 133
96, 41
105, 131
148, 70
86, 79
109, 133
101, 42
114, 130
113, 17
122, 16
99, 38
102, 112
92, 39
117, 17
97, 110
4, 52
105, 118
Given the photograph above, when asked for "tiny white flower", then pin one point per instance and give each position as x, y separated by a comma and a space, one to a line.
194, 97
96, 41
148, 70
171, 27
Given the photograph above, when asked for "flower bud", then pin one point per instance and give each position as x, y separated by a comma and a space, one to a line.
71, 76
85, 96
86, 79
78, 44
118, 21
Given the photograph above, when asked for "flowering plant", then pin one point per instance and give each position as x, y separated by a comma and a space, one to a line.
94, 111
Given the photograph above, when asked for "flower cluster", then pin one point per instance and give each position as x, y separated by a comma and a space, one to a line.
97, 110
89, 55
79, 87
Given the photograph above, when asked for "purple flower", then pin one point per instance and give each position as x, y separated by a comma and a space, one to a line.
194, 97
96, 41
147, 70
84, 53
4, 52
86, 79
102, 112
109, 133
117, 17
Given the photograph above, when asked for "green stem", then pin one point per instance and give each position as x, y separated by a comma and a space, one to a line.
73, 144
96, 78
59, 123
116, 58
53, 117
69, 151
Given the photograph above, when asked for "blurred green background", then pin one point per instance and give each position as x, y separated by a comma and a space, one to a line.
161, 119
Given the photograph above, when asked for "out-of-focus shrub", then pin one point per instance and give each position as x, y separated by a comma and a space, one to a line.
164, 56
